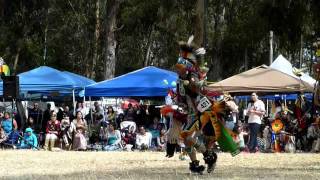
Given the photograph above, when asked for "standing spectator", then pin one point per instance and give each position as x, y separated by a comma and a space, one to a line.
113, 139
255, 112
111, 115
46, 117
231, 119
98, 112
30, 123
140, 115
8, 124
119, 120
36, 114
52, 132
80, 107
143, 139
154, 129
1, 116
67, 112
79, 127
130, 113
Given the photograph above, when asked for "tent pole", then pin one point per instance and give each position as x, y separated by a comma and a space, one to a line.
74, 102
285, 100
104, 117
91, 115
84, 92
267, 107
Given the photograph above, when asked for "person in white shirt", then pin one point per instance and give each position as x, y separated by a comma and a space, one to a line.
255, 112
143, 139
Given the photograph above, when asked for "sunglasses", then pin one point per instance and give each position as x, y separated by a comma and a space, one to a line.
185, 62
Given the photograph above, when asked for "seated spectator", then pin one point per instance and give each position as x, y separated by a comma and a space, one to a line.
66, 133
113, 139
313, 136
3, 136
162, 140
111, 115
79, 127
29, 140
52, 132
143, 139
8, 124
103, 133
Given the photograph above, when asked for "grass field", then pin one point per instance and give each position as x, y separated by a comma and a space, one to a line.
152, 165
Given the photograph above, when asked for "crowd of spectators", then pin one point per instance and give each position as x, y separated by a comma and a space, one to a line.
286, 127
99, 128
140, 128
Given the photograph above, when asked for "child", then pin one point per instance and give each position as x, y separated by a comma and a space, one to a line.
3, 136
29, 140
241, 135
267, 137
66, 131
162, 140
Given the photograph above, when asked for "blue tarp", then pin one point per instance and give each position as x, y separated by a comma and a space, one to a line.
46, 80
145, 82
308, 96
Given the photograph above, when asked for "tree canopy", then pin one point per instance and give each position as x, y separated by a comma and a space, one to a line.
95, 36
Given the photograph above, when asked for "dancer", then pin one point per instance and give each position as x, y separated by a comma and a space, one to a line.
199, 115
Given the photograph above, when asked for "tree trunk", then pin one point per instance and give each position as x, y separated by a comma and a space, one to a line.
246, 59
111, 42
218, 22
149, 46
301, 51
96, 42
2, 8
199, 30
16, 60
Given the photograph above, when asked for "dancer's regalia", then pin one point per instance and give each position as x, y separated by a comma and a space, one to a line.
197, 116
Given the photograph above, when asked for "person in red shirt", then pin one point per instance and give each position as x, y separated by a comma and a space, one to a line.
52, 132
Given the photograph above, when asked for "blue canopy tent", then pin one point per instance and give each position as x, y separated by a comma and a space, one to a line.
46, 81
146, 82
80, 81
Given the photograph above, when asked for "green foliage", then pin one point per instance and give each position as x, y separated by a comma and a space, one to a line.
150, 32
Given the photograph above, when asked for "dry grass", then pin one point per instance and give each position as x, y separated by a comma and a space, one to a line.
148, 165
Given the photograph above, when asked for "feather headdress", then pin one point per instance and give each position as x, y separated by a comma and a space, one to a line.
191, 51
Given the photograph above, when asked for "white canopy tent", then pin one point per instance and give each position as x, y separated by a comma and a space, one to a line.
283, 65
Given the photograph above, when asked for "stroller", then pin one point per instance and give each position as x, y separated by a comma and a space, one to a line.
10, 140
128, 136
